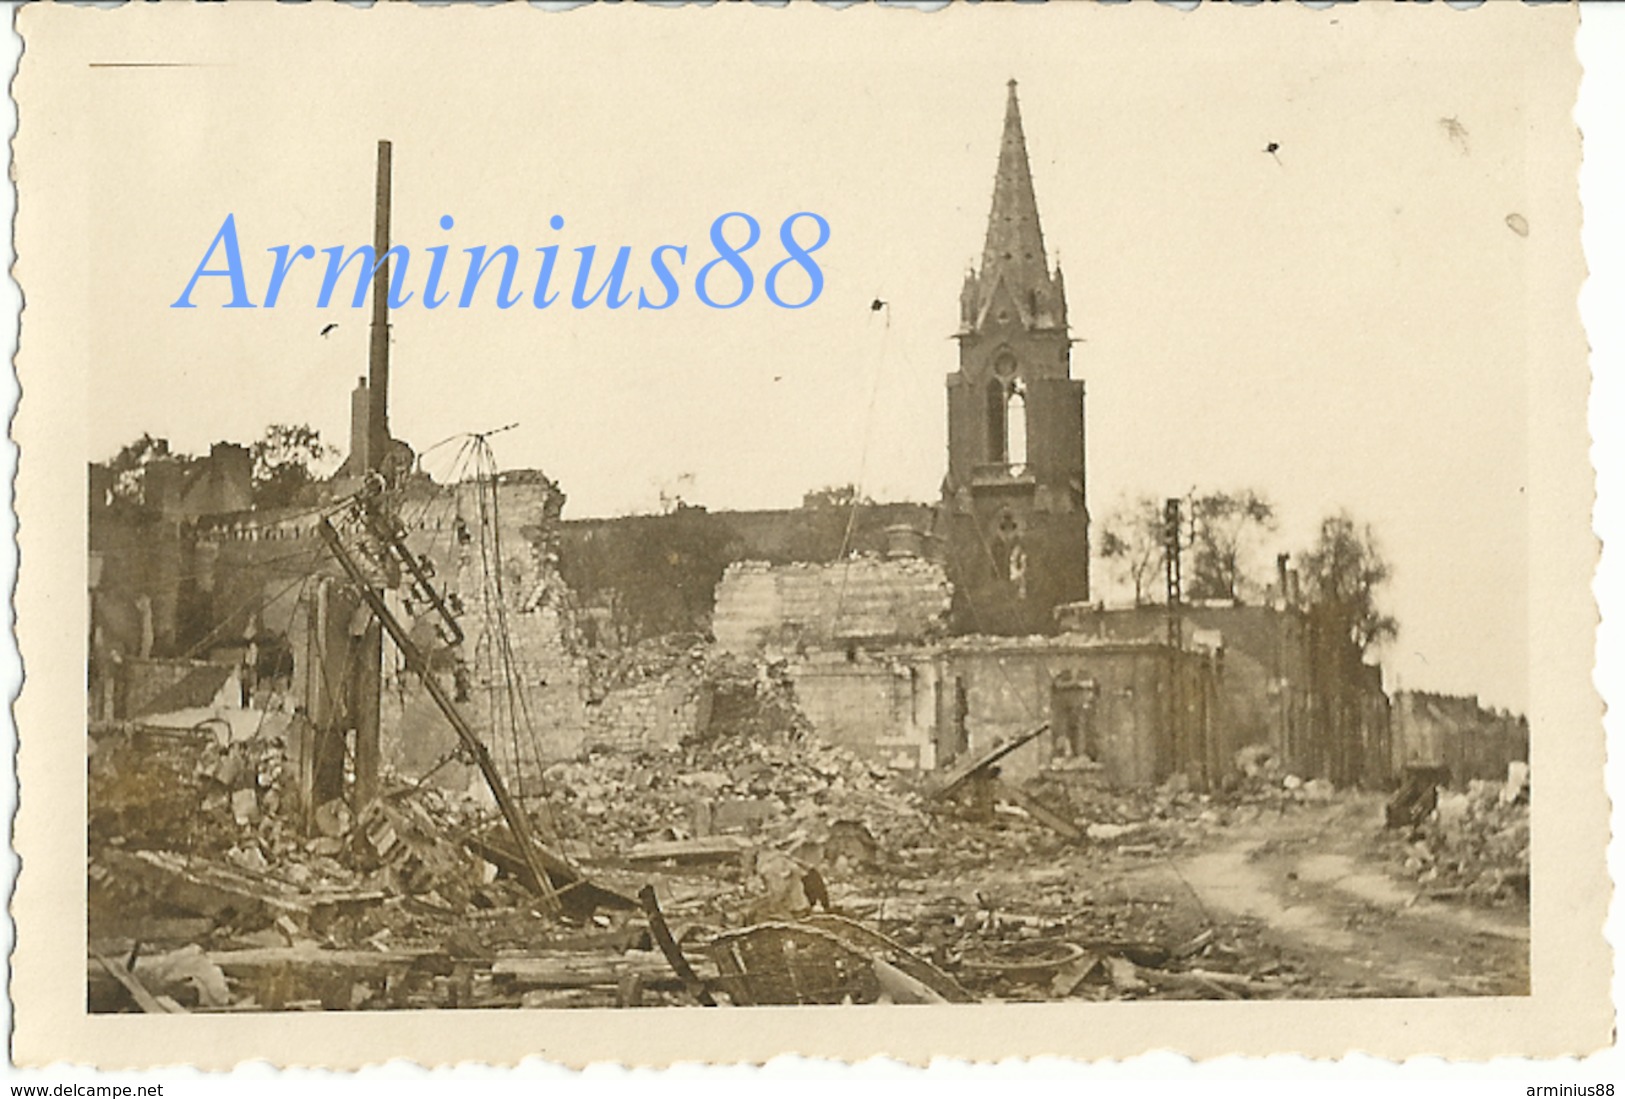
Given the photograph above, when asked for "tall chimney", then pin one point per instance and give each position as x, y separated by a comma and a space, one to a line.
378, 354
357, 464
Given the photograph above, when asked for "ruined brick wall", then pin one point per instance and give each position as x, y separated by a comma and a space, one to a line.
537, 715
861, 601
1309, 696
145, 574
555, 705
647, 575
655, 715
1140, 712
570, 702
880, 705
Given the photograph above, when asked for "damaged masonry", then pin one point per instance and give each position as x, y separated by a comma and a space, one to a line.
418, 743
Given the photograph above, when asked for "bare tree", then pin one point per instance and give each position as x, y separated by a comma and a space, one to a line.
1132, 540
1341, 573
1227, 525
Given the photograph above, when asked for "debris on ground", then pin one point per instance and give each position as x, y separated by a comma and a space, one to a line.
1474, 846
765, 868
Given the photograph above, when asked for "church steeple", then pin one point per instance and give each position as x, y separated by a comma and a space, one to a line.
1018, 527
1013, 253
1015, 242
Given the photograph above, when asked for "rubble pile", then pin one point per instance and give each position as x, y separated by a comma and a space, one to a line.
191, 789
1475, 845
753, 700
1258, 778
760, 845
1159, 818
779, 790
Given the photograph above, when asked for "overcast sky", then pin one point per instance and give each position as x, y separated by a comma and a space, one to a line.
1339, 323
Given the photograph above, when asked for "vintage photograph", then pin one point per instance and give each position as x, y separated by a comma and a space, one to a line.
968, 515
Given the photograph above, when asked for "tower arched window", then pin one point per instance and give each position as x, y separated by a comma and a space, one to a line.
997, 438
1006, 434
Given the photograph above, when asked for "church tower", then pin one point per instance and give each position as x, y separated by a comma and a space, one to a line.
1018, 527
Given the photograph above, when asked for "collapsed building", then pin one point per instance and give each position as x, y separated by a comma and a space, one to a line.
666, 685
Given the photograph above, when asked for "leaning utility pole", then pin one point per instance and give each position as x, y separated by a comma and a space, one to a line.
367, 684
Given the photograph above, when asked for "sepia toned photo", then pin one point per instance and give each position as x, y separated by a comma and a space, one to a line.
913, 516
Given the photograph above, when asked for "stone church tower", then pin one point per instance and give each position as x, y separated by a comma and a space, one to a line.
1018, 527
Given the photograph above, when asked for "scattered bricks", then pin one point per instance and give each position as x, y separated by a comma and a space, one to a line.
746, 815
401, 836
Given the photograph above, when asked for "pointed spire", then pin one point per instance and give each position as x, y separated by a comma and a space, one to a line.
1015, 243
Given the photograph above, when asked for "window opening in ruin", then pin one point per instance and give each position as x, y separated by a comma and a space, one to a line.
1007, 544
996, 442
1073, 733
1006, 415
961, 732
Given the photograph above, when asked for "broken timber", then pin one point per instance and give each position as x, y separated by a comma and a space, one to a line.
579, 895
1040, 812
222, 892
585, 970
700, 849
955, 776
518, 824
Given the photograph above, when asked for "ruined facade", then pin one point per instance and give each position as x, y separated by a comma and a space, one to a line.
1286, 681
858, 603
1457, 733
858, 639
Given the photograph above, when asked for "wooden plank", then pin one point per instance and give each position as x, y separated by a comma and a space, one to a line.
211, 889
1042, 813
578, 894
701, 849
144, 999
239, 963
586, 970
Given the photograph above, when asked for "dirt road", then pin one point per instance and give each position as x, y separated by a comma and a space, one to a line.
1315, 886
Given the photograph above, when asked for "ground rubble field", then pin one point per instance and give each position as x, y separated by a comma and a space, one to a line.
785, 871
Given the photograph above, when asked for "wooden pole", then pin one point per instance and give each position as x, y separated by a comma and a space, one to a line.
367, 689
